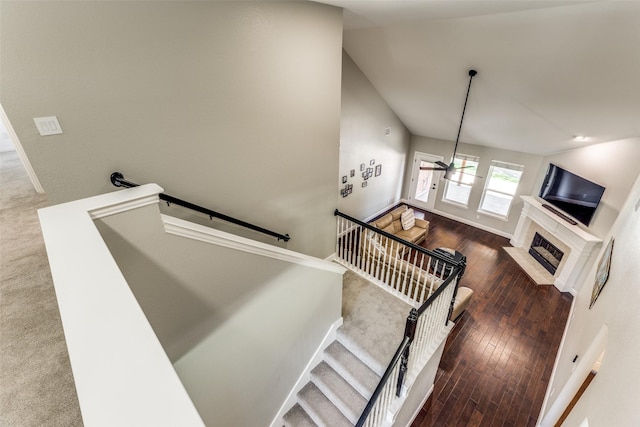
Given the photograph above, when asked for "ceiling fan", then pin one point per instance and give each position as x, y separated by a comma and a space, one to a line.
450, 169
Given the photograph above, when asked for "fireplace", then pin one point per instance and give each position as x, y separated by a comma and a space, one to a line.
579, 247
548, 255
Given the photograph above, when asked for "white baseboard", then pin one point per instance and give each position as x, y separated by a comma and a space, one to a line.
191, 230
381, 211
21, 153
305, 377
464, 221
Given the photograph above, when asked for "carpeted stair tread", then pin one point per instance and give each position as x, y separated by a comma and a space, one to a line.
352, 369
320, 409
297, 417
374, 322
337, 389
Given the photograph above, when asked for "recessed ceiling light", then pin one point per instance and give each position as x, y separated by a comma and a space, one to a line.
580, 138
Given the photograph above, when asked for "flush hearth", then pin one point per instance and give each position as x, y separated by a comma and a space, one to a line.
548, 255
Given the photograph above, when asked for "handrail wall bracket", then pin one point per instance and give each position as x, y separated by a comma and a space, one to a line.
117, 179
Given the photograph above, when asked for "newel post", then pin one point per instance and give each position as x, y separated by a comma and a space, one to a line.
463, 267
410, 333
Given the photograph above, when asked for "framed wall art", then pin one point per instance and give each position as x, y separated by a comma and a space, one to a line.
348, 189
602, 275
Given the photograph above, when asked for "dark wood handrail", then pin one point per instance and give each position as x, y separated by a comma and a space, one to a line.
118, 180
455, 273
405, 345
406, 342
399, 240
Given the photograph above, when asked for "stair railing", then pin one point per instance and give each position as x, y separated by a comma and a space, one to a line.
407, 270
117, 179
425, 279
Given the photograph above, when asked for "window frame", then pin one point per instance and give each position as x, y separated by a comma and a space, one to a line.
503, 165
462, 158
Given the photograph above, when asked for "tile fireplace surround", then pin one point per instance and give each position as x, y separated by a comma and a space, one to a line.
579, 246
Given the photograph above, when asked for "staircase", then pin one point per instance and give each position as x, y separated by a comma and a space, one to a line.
341, 385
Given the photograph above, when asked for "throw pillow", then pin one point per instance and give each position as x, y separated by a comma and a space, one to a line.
407, 219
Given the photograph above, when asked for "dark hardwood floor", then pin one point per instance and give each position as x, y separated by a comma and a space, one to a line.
498, 359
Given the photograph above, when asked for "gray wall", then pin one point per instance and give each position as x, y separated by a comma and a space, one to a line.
470, 215
240, 328
232, 105
611, 399
365, 116
614, 165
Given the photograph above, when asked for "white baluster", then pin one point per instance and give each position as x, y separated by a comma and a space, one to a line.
421, 273
339, 243
359, 247
370, 255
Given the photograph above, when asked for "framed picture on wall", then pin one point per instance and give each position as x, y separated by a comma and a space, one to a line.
352, 173
378, 170
602, 275
362, 166
344, 179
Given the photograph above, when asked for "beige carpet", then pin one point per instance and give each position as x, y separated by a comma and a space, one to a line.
343, 382
36, 383
374, 321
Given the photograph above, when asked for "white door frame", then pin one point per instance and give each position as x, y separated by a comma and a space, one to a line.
417, 158
21, 153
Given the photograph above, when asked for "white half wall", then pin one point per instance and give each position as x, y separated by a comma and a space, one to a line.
122, 375
240, 320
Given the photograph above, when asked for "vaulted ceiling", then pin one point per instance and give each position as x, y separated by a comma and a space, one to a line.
547, 70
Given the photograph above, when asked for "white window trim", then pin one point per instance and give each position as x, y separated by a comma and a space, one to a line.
454, 203
494, 215
503, 165
489, 213
462, 157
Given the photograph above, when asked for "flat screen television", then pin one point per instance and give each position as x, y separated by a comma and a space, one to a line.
571, 193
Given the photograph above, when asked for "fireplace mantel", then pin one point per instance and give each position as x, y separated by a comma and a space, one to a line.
583, 245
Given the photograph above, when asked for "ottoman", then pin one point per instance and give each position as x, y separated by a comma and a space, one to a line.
461, 302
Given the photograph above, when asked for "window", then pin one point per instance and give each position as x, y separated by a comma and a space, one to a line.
458, 188
500, 187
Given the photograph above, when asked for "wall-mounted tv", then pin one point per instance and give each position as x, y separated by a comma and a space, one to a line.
571, 193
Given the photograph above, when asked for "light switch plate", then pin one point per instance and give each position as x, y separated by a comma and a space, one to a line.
48, 125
